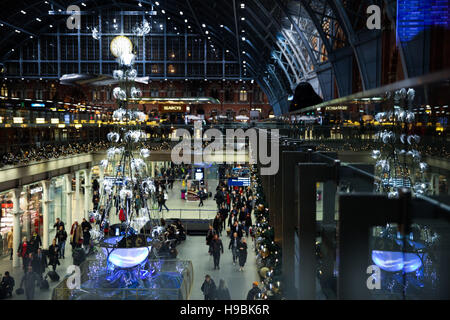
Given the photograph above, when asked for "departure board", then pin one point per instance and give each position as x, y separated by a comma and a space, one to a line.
414, 16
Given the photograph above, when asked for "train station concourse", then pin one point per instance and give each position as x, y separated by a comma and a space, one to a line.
248, 150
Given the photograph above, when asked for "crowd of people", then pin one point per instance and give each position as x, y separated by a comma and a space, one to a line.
49, 151
35, 260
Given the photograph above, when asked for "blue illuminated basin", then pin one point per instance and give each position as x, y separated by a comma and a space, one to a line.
125, 257
394, 261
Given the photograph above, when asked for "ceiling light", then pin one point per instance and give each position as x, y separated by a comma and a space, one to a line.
23, 12
243, 18
37, 19
243, 38
181, 13
83, 4
242, 5
157, 3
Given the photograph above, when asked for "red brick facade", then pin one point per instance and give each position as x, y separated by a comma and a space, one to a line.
236, 97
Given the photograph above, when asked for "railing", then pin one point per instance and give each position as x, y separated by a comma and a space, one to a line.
202, 214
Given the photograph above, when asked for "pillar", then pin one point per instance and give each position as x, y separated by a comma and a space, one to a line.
101, 178
69, 193
16, 225
87, 192
153, 168
77, 197
45, 205
329, 202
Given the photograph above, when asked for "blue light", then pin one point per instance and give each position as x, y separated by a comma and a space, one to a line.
128, 257
394, 261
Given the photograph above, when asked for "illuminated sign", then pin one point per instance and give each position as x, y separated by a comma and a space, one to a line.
36, 190
172, 108
38, 105
336, 108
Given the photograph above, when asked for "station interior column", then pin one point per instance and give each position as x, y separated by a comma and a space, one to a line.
45, 205
69, 193
16, 225
87, 192
77, 197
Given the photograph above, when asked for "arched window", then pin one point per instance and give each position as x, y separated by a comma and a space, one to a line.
243, 95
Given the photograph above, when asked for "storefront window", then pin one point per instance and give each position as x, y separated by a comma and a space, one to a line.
32, 220
57, 205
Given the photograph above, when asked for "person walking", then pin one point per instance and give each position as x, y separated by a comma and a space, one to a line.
86, 227
254, 292
9, 239
217, 224
242, 249
247, 224
29, 279
215, 249
201, 197
61, 236
234, 247
75, 235
210, 235
237, 228
39, 263
53, 255
23, 251
209, 288
35, 242
223, 215
58, 224
222, 292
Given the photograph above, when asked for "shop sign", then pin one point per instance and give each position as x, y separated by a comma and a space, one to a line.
172, 108
7, 205
336, 108
36, 190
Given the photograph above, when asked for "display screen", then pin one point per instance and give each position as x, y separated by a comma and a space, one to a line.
413, 16
199, 174
239, 182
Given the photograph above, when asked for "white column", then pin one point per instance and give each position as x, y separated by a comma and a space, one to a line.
45, 206
87, 192
101, 179
153, 168
16, 225
75, 217
69, 193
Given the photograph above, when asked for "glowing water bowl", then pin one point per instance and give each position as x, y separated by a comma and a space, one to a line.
394, 261
124, 257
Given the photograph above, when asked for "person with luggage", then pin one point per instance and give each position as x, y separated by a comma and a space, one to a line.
53, 255
39, 263
61, 236
29, 279
209, 288
7, 285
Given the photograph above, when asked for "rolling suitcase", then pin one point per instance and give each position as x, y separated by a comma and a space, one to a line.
53, 275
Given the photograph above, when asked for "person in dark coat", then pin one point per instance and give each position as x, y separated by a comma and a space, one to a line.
237, 228
29, 280
254, 292
210, 235
39, 263
8, 284
35, 242
234, 246
86, 227
242, 249
209, 288
217, 224
215, 249
223, 215
61, 236
222, 292
247, 223
58, 224
53, 255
